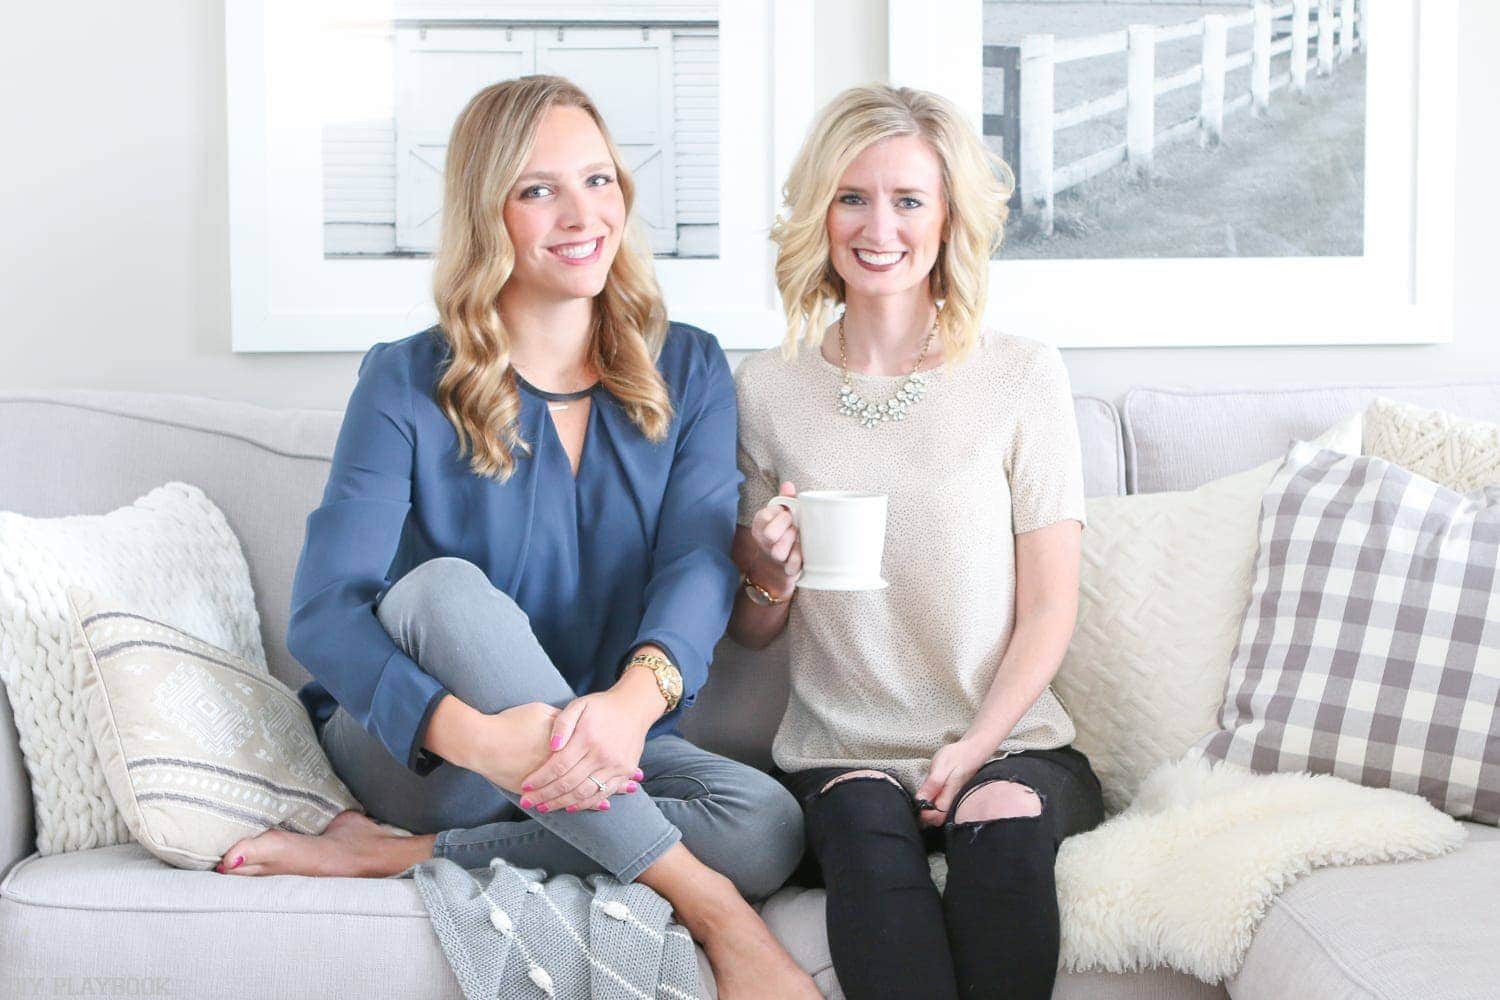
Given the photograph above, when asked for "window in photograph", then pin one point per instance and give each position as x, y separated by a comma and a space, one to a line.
396, 83
1171, 129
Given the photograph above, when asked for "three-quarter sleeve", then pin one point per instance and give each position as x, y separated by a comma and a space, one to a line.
351, 541
1045, 464
691, 587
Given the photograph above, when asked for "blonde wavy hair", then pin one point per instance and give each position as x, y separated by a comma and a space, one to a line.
491, 142
977, 186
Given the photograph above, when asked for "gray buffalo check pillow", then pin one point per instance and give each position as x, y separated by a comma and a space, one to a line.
1371, 646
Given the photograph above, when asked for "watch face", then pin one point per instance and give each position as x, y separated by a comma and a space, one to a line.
756, 595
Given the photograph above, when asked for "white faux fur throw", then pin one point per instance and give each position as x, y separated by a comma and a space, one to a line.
1184, 875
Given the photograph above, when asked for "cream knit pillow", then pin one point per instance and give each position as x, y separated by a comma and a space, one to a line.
1164, 584
170, 556
1461, 454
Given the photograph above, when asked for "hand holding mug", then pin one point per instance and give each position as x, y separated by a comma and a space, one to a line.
778, 551
821, 540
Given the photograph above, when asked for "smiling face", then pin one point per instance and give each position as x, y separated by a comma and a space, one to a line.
566, 212
885, 225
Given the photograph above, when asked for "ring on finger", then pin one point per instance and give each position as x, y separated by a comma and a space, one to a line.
597, 782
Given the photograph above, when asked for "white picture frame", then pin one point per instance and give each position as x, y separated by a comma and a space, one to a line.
1399, 292
287, 295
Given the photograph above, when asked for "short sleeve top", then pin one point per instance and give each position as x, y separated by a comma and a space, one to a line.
991, 450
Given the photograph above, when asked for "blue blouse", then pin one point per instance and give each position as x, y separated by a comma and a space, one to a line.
634, 550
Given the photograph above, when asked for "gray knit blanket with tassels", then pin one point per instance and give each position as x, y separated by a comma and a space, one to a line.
516, 934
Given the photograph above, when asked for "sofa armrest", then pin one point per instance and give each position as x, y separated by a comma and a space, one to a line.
17, 829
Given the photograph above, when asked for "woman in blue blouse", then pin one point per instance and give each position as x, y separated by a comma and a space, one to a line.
548, 476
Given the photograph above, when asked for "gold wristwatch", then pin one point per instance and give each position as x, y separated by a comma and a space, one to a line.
668, 677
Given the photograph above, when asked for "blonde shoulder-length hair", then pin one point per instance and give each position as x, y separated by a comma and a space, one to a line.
491, 142
977, 186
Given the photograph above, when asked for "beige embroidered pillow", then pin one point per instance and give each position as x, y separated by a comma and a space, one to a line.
1460, 454
200, 747
1164, 583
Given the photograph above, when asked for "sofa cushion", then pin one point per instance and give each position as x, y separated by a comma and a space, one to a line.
1176, 439
202, 934
1418, 930
263, 468
1101, 441
120, 912
17, 822
795, 915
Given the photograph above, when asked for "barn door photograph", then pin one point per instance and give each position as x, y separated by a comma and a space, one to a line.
651, 67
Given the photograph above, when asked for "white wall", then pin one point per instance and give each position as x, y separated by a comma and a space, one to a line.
113, 217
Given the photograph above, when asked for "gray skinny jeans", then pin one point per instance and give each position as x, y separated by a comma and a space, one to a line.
447, 616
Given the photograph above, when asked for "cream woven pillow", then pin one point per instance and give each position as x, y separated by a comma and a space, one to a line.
170, 556
1461, 454
200, 747
1164, 584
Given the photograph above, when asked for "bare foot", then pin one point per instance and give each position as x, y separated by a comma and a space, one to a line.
352, 845
749, 962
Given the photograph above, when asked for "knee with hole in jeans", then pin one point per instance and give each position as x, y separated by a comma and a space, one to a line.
1000, 900
884, 915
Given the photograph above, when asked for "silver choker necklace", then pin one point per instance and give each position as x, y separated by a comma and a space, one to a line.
852, 404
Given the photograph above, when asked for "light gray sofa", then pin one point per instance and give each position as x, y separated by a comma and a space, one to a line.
116, 919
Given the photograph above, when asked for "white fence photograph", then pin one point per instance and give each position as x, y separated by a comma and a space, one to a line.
1181, 129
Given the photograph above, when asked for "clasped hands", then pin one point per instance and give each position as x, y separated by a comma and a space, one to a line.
574, 757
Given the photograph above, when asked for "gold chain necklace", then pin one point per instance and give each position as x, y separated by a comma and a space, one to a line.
852, 404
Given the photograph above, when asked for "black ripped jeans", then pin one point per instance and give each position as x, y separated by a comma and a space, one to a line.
994, 931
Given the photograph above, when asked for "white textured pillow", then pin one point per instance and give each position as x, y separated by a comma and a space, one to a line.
172, 556
1463, 455
1164, 584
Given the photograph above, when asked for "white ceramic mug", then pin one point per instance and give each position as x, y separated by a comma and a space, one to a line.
842, 533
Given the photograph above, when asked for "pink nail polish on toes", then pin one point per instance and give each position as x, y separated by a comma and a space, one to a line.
239, 860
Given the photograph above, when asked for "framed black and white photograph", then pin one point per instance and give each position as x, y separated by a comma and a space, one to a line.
340, 113
1218, 166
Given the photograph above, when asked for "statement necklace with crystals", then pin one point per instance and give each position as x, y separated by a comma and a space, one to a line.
852, 404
